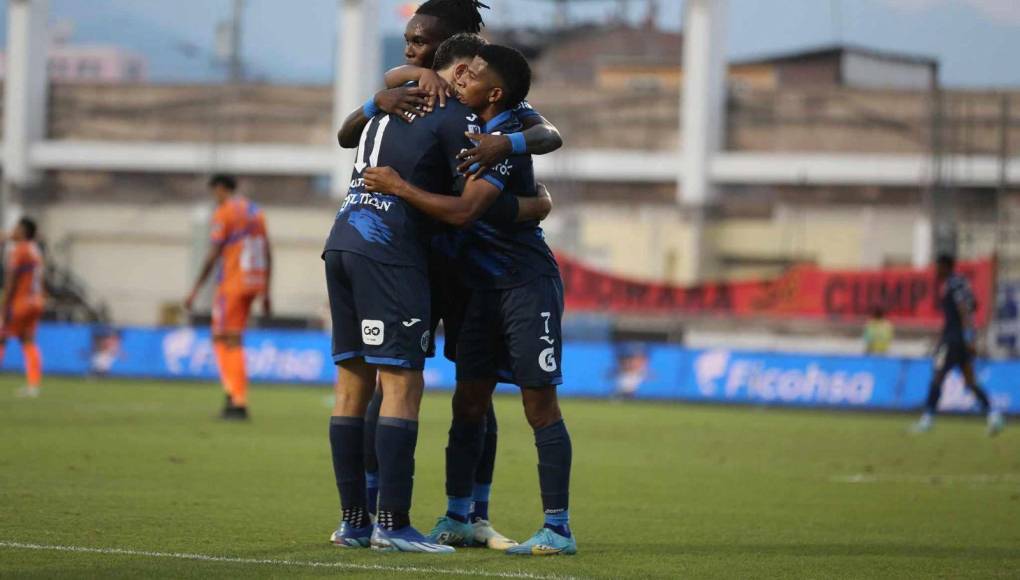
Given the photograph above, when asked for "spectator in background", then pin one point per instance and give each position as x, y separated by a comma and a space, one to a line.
878, 332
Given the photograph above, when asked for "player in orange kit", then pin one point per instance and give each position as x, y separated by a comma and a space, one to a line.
240, 242
23, 300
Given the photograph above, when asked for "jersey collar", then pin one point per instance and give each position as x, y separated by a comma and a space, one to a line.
495, 122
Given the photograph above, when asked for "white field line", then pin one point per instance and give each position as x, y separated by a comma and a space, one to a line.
976, 478
271, 562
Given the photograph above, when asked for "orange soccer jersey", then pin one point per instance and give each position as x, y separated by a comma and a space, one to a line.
239, 225
24, 261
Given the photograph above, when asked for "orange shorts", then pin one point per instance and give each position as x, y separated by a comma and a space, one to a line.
22, 320
230, 312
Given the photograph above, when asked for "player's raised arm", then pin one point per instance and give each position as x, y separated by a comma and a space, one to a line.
405, 102
458, 211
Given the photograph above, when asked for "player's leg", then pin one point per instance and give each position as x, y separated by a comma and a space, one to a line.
30, 348
354, 386
532, 321
994, 417
392, 306
238, 309
482, 488
943, 364
219, 311
371, 461
22, 325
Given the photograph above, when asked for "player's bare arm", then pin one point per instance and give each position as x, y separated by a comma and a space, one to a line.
405, 102
458, 211
540, 137
535, 208
427, 79
207, 267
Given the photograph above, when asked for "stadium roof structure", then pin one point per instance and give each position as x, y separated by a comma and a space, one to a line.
835, 50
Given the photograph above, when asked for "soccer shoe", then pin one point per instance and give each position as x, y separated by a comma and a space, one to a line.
27, 392
406, 539
996, 423
235, 414
450, 532
348, 537
923, 424
545, 543
486, 535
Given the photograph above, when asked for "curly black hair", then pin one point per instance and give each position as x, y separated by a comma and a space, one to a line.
456, 15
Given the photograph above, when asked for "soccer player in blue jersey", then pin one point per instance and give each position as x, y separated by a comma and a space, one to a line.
956, 347
449, 297
514, 312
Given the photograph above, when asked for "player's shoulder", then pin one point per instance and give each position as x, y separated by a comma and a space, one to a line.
454, 113
523, 110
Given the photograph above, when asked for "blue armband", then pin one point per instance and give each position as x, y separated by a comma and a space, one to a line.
369, 109
518, 143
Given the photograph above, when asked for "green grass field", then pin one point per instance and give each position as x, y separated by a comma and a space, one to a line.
659, 490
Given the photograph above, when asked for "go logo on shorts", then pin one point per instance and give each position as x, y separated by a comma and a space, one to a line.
373, 332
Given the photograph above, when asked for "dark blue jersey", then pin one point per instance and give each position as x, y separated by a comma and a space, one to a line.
384, 227
956, 296
500, 256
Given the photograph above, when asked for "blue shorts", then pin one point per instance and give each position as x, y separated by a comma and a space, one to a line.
514, 335
449, 302
380, 312
952, 355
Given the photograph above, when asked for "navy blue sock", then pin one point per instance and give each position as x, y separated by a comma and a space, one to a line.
371, 461
457, 508
487, 461
345, 440
395, 440
554, 457
463, 449
372, 491
480, 503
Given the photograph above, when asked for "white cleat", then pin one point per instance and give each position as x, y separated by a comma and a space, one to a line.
996, 423
27, 392
487, 536
923, 424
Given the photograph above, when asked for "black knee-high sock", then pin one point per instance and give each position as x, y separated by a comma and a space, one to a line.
487, 462
982, 397
934, 393
395, 441
346, 435
371, 461
463, 450
554, 457
486, 465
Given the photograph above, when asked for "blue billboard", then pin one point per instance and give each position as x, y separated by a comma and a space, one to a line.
591, 369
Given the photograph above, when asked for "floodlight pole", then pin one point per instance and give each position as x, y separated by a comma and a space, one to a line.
356, 75
24, 97
702, 119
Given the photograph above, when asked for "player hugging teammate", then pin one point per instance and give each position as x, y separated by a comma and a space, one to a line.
441, 221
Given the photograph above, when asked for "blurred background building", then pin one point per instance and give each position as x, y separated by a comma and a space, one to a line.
840, 155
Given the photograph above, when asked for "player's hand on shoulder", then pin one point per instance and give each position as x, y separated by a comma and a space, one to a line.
405, 102
437, 88
491, 149
383, 180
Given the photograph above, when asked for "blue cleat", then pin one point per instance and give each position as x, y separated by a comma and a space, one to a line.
348, 537
545, 543
450, 532
406, 539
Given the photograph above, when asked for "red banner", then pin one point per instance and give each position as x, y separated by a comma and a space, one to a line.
908, 295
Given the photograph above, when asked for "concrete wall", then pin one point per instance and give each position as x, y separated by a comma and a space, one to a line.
139, 258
